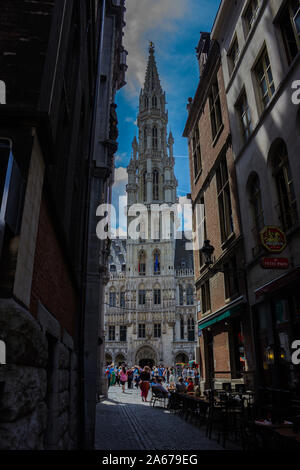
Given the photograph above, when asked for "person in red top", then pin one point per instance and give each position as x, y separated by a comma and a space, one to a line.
190, 387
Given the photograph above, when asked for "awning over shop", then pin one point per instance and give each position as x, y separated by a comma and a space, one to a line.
278, 283
221, 316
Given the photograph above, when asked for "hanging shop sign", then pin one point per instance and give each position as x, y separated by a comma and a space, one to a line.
273, 239
275, 263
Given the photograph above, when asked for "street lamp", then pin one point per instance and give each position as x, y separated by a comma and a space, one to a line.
207, 251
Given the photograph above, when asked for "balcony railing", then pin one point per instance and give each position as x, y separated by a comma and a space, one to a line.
184, 273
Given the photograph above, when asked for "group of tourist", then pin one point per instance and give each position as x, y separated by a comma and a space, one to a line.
163, 379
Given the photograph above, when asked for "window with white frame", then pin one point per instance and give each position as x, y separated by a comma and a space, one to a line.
289, 23
250, 14
244, 115
264, 77
233, 54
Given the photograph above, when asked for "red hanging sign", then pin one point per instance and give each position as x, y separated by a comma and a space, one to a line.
275, 263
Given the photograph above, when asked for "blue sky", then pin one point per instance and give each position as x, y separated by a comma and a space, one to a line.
174, 26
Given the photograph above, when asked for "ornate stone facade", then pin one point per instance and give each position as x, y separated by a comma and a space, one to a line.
150, 314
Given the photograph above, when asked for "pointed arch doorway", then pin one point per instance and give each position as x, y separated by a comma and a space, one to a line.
146, 356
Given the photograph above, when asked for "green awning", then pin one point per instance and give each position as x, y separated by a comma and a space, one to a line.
219, 318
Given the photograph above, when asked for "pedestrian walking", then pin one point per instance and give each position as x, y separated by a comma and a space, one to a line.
172, 378
129, 378
118, 377
112, 376
145, 378
107, 373
123, 378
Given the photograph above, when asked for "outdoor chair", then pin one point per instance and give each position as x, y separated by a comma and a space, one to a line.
158, 396
226, 419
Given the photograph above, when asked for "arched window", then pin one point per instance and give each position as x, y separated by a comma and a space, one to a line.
156, 262
157, 295
154, 137
144, 186
142, 295
285, 187
154, 102
191, 329
122, 298
180, 295
190, 295
112, 298
145, 138
142, 263
155, 185
181, 328
256, 207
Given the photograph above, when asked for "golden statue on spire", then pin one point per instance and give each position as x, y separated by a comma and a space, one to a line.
151, 46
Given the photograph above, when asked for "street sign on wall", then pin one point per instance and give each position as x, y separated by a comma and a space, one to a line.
273, 239
275, 263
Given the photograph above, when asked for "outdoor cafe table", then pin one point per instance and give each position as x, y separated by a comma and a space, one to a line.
277, 436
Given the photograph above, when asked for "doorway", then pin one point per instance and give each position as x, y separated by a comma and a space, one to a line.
146, 362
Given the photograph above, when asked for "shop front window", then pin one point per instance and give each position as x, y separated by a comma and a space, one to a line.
239, 348
277, 328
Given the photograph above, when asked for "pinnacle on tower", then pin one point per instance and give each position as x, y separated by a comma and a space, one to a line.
152, 81
135, 147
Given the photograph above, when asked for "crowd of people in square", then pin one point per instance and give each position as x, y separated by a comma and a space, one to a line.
183, 378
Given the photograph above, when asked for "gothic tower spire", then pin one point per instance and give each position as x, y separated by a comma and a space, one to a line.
155, 179
152, 82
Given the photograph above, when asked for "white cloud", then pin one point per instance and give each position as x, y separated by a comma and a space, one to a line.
120, 175
187, 213
131, 120
144, 23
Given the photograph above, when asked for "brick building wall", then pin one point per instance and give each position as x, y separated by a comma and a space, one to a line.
51, 282
216, 342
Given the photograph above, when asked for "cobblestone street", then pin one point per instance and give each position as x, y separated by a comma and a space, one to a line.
124, 422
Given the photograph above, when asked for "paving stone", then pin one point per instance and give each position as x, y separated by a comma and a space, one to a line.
124, 422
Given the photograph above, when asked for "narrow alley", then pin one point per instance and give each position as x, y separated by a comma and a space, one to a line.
124, 422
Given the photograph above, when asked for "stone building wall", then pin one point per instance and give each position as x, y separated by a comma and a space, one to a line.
38, 383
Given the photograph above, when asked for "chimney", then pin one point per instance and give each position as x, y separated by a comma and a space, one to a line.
202, 51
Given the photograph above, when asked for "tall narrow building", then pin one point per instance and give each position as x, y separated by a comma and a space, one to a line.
150, 315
